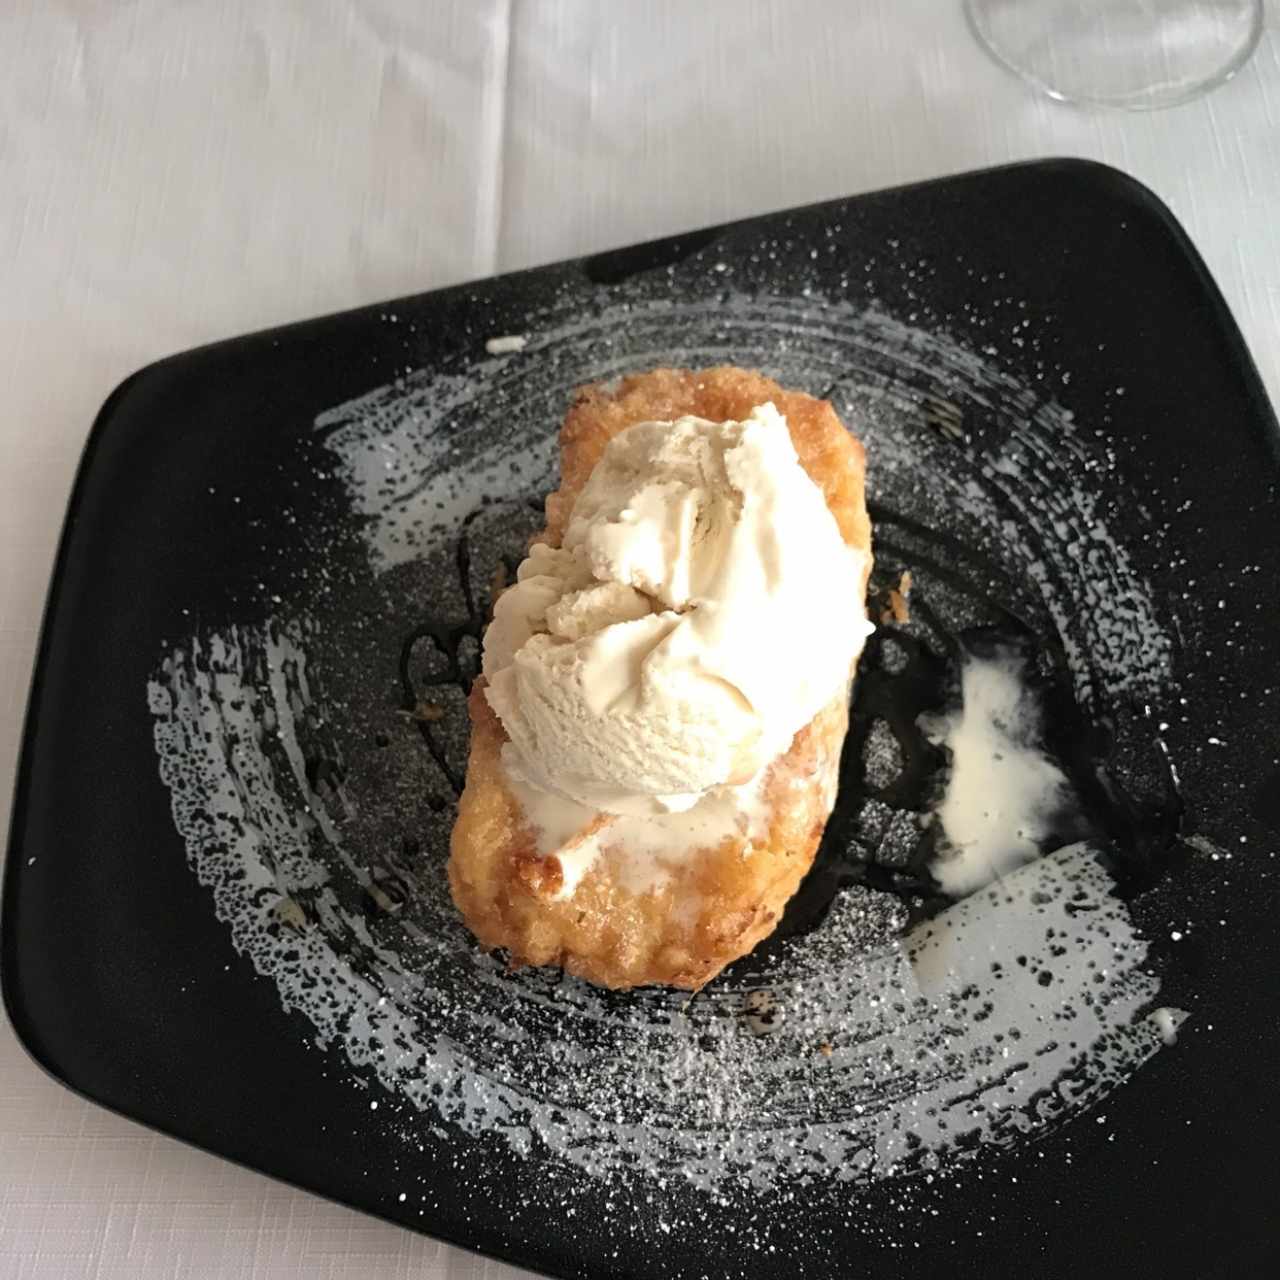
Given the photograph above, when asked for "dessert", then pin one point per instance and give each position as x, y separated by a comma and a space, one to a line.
657, 731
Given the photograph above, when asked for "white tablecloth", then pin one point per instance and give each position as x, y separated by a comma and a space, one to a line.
173, 172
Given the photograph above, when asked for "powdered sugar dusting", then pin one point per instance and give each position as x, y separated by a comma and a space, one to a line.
888, 1049
937, 1037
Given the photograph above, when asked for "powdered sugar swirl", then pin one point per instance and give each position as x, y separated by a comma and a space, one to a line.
892, 1049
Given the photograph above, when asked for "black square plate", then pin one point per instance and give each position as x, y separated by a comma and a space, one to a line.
224, 913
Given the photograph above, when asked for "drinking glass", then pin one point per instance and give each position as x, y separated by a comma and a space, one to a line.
1139, 54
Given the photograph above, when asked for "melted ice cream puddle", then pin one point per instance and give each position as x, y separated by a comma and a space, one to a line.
1002, 791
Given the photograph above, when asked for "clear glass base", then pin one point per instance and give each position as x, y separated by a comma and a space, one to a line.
1138, 54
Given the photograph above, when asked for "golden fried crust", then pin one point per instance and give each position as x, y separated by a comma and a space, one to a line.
719, 903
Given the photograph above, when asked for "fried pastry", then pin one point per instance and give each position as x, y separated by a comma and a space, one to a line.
641, 800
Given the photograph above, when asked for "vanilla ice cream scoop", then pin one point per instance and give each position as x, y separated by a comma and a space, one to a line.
702, 609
